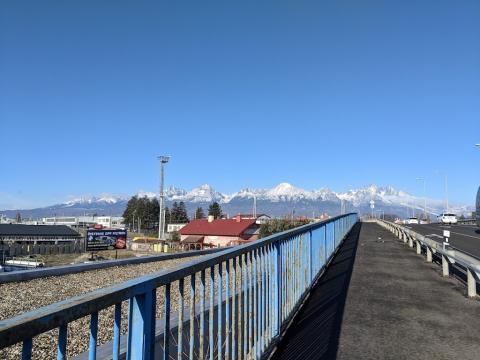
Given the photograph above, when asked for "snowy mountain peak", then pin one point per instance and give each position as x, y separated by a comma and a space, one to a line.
276, 201
203, 193
106, 199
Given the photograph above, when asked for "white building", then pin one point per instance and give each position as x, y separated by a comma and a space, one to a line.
174, 227
85, 221
5, 220
110, 221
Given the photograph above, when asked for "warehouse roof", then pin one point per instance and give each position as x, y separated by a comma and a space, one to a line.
36, 230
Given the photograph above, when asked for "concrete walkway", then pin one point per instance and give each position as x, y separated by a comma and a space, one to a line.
379, 300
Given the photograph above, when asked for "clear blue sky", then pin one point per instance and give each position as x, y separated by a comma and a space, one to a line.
316, 93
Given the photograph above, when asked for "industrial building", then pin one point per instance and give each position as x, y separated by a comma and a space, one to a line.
37, 234
78, 222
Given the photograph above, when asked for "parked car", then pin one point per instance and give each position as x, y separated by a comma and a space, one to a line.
109, 240
412, 220
447, 218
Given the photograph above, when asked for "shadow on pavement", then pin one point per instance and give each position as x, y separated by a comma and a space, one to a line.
315, 331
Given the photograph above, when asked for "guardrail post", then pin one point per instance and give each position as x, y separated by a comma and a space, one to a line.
445, 266
419, 247
429, 254
410, 241
471, 284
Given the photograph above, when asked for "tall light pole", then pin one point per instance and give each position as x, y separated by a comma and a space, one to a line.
446, 188
424, 197
446, 191
161, 216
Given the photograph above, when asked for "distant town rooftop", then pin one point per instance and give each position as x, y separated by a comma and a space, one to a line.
219, 227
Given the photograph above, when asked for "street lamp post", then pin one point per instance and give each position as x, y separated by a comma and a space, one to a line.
161, 216
446, 188
424, 196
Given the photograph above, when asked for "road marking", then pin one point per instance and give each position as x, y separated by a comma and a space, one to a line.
475, 237
449, 227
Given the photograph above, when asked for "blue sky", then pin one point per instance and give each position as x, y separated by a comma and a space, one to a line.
250, 94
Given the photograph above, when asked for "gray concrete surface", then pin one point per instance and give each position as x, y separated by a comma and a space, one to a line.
379, 300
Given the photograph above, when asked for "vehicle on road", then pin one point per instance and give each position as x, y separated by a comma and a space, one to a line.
447, 218
412, 220
477, 212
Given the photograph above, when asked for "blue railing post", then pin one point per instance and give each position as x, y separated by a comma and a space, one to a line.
27, 349
220, 313
62, 342
141, 326
117, 332
92, 349
166, 332
310, 255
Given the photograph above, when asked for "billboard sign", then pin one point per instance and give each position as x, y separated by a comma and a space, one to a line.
97, 240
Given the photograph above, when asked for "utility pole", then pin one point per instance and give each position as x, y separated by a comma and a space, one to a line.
161, 216
446, 190
254, 206
424, 196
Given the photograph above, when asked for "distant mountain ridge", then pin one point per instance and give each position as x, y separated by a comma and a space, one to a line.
283, 199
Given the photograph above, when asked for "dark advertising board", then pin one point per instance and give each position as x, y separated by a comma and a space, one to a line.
97, 240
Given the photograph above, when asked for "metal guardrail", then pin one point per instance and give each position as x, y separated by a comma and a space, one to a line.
263, 282
467, 222
448, 254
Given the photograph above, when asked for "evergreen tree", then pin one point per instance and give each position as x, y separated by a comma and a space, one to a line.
182, 216
215, 210
168, 217
129, 212
142, 212
199, 214
174, 213
18, 218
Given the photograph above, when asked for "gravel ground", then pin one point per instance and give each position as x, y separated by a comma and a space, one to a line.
20, 297
25, 296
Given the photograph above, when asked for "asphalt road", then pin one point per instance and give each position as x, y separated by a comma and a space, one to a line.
463, 237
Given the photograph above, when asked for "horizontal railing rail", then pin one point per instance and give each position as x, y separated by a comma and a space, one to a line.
449, 255
97, 265
467, 221
261, 285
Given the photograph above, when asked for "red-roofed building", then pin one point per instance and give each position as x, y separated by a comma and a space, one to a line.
220, 232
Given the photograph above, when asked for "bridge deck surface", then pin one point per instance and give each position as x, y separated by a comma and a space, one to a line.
379, 300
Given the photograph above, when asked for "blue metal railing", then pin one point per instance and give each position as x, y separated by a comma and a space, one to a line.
254, 290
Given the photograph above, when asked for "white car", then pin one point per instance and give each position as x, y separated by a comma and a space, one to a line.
412, 220
447, 218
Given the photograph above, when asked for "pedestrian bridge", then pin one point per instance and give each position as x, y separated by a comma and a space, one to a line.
333, 289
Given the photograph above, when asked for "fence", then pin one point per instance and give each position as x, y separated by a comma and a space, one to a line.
252, 292
41, 249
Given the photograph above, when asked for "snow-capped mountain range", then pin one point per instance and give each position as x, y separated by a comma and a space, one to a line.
280, 200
